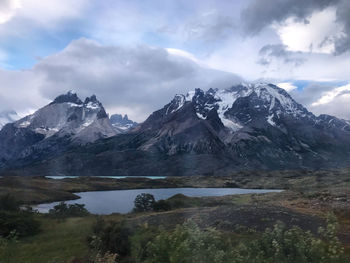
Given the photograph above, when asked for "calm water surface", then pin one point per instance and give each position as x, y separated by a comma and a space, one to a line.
122, 201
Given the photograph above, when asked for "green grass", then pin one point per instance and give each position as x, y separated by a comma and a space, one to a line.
59, 241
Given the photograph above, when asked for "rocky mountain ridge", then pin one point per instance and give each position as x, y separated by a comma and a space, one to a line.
122, 123
247, 126
65, 122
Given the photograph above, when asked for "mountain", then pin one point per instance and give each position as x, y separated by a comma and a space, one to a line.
67, 121
7, 117
122, 124
247, 126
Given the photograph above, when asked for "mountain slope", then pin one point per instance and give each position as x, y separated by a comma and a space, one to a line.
52, 129
248, 126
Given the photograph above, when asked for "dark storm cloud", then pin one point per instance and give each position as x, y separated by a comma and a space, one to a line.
270, 52
260, 14
343, 11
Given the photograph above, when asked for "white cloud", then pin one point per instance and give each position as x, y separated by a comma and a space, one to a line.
20, 17
8, 9
339, 106
331, 95
185, 54
137, 80
288, 86
19, 91
318, 34
47, 12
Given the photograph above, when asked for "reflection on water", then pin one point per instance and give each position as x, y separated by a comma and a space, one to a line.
122, 201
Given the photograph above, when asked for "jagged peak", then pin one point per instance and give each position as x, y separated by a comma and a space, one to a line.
92, 99
276, 100
70, 96
71, 92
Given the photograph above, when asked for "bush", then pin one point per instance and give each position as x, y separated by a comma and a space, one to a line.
13, 220
144, 202
293, 245
9, 203
140, 240
161, 205
23, 223
63, 210
188, 244
110, 237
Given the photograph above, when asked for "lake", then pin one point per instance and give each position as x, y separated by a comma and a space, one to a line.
112, 177
122, 201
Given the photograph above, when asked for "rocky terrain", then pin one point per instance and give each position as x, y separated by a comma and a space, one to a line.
214, 132
122, 123
65, 122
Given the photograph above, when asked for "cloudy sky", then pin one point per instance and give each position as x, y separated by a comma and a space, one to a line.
136, 54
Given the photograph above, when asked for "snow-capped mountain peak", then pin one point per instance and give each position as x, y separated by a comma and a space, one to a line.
240, 104
67, 114
66, 121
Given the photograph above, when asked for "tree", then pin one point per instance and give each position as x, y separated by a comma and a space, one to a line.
144, 202
63, 210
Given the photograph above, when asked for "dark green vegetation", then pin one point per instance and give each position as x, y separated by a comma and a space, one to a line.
15, 222
241, 226
144, 202
190, 243
62, 210
58, 241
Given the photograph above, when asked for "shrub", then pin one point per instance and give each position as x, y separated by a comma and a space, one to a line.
110, 237
292, 245
23, 223
13, 220
188, 244
140, 240
8, 203
63, 210
161, 205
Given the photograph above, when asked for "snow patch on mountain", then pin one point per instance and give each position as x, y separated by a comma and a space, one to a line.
269, 97
67, 114
176, 104
270, 120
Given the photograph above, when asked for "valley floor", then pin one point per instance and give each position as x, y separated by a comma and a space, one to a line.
308, 197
